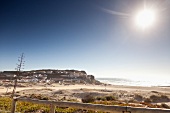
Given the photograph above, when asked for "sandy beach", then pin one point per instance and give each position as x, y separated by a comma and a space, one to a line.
133, 95
101, 87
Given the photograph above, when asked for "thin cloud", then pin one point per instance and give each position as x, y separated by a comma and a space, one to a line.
116, 13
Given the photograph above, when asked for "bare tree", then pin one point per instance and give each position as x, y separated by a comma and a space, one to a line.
19, 67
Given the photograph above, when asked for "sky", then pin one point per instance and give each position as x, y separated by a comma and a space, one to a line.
98, 36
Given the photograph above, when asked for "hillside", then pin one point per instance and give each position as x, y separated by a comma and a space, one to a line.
50, 76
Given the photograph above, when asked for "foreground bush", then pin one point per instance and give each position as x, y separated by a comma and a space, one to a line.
27, 107
5, 103
88, 99
106, 98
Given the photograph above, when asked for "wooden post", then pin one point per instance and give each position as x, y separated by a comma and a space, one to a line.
7, 89
52, 108
13, 105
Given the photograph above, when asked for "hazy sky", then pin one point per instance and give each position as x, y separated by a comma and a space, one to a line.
98, 36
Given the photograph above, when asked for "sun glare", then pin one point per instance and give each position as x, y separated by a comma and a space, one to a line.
145, 18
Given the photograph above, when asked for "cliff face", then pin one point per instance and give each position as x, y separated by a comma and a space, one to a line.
73, 76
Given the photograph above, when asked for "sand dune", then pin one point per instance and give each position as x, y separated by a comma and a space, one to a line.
134, 94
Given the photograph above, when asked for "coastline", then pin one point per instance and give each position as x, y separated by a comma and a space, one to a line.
163, 89
134, 82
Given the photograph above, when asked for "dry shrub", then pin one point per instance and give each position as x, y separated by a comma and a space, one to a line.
150, 105
147, 100
154, 91
165, 106
106, 98
132, 100
88, 99
165, 98
138, 97
162, 98
48, 89
38, 96
154, 98
110, 98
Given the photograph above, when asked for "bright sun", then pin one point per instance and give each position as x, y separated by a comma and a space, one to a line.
145, 18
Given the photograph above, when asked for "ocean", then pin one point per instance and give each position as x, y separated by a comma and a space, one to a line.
128, 82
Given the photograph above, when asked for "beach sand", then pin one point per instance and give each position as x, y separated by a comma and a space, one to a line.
134, 95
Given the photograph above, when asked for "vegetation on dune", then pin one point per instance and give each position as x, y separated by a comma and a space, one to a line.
111, 100
39, 96
26, 107
5, 103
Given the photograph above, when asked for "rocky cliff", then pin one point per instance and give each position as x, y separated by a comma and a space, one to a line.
69, 76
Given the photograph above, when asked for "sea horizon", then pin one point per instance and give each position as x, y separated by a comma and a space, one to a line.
130, 82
